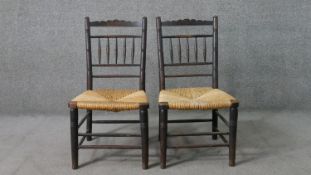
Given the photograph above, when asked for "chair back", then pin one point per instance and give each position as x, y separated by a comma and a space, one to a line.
184, 58
116, 50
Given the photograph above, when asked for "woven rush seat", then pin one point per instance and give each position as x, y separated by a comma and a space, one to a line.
111, 99
201, 98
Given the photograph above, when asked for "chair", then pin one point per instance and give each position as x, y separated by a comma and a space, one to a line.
106, 99
194, 98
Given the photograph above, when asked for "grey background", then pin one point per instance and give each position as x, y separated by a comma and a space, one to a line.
264, 57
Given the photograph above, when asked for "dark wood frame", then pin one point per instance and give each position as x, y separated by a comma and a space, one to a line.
143, 109
163, 107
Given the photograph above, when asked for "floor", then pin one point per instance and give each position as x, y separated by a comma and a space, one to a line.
269, 142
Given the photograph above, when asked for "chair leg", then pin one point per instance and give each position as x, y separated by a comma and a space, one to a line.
89, 124
232, 134
159, 129
163, 136
214, 123
74, 137
143, 113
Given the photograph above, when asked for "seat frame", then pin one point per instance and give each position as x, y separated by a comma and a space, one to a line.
75, 124
164, 107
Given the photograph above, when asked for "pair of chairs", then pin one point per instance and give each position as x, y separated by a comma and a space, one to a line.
115, 100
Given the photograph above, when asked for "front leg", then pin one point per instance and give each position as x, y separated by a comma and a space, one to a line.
163, 135
89, 124
232, 133
74, 137
214, 123
143, 113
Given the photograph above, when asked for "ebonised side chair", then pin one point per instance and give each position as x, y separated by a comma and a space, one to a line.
115, 100
194, 98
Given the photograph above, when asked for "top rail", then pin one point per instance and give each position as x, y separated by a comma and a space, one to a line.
186, 22
187, 36
115, 23
115, 36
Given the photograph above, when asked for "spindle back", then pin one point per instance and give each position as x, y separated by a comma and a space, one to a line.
112, 52
189, 61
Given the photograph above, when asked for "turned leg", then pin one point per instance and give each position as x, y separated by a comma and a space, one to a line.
159, 128
143, 113
74, 137
89, 124
163, 136
214, 123
232, 134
